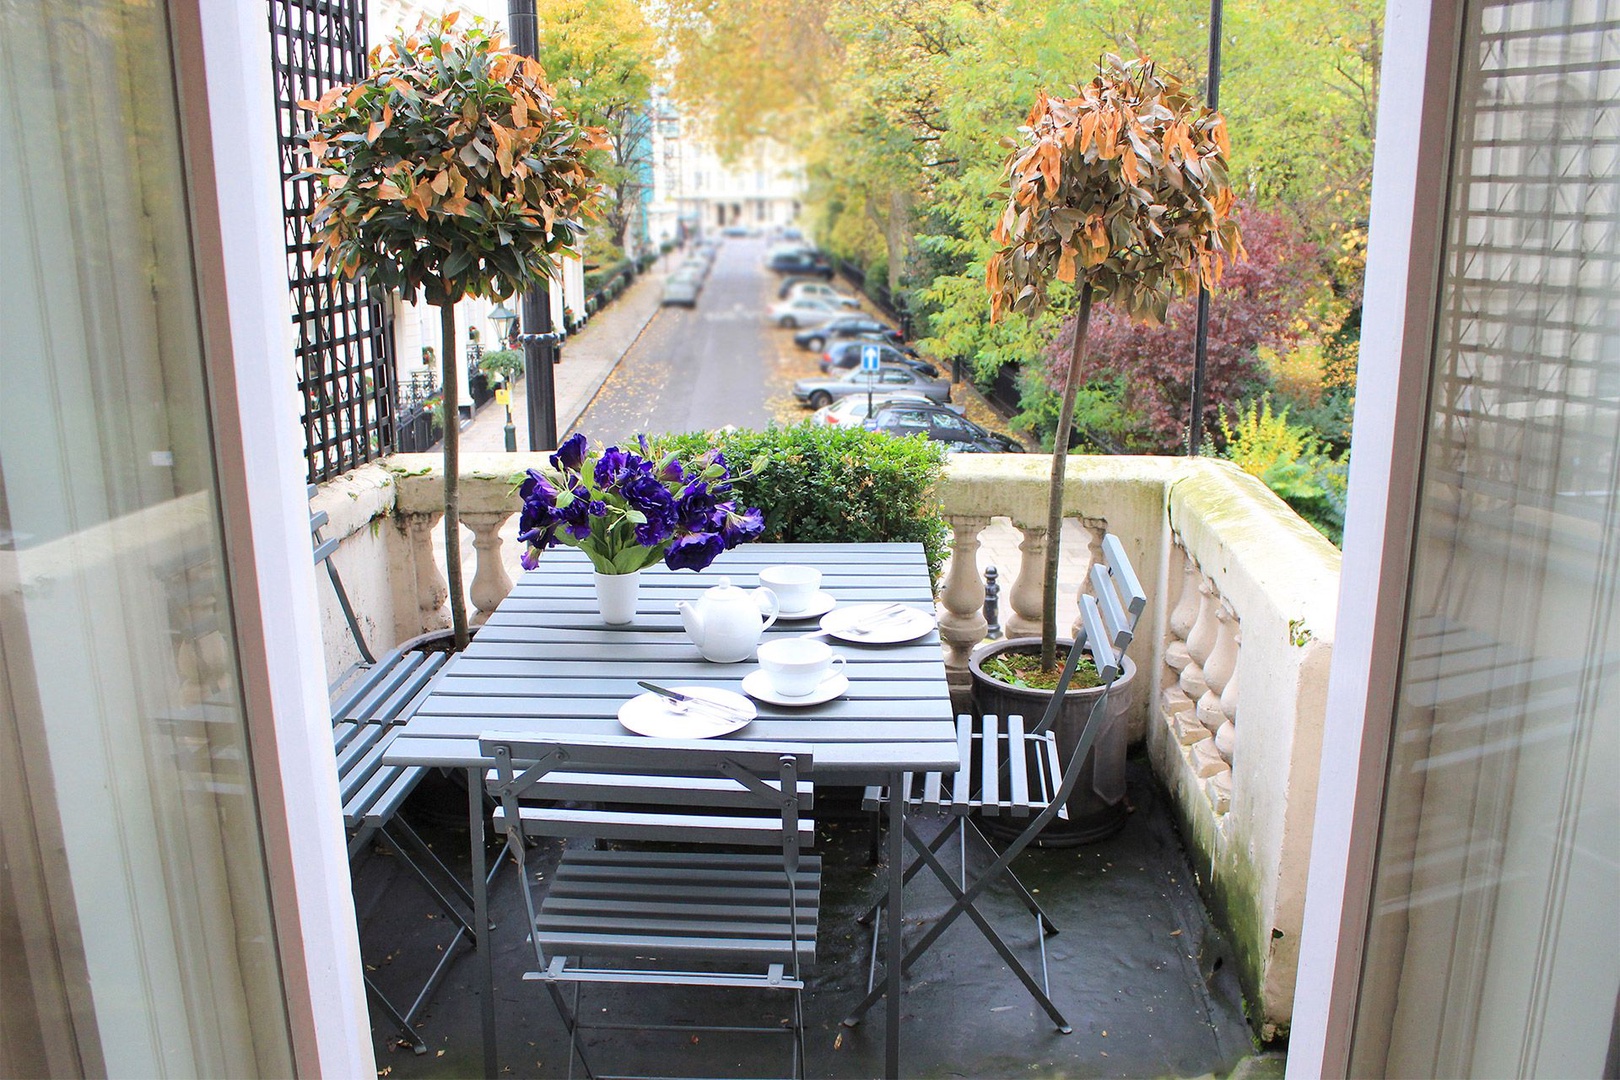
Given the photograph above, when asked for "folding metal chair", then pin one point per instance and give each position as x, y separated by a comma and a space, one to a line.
371, 699
1013, 771
673, 916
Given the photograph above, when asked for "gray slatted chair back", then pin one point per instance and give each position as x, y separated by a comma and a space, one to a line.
1118, 591
656, 913
643, 781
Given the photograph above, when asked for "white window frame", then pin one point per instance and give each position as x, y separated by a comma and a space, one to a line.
222, 61
1411, 171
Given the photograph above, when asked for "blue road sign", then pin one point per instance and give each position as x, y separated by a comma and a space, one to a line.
870, 356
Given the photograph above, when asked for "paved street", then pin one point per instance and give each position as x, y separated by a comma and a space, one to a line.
718, 364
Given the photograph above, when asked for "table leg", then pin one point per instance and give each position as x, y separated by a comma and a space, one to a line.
896, 914
481, 939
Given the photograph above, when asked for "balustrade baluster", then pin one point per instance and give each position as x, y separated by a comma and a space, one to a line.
1025, 598
490, 582
961, 622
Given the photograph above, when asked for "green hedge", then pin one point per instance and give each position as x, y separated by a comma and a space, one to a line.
824, 484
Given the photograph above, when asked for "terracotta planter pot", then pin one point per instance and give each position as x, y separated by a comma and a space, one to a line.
1097, 805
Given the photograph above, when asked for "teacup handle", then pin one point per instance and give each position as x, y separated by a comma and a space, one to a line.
836, 666
770, 612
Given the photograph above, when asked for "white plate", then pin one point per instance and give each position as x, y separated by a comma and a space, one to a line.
845, 625
820, 604
659, 718
759, 685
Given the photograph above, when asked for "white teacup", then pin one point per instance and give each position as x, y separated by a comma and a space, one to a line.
796, 666
795, 586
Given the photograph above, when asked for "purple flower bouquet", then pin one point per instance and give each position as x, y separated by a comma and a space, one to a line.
627, 510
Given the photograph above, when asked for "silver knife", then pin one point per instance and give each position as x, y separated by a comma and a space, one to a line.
714, 707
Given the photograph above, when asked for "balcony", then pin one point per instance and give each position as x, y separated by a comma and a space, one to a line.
1241, 594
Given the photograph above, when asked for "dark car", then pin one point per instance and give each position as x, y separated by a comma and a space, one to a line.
942, 425
808, 263
847, 354
846, 326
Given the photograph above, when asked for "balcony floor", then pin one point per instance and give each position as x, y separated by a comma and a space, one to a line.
1138, 968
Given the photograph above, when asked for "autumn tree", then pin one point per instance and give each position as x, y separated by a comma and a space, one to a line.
601, 57
1119, 193
1257, 305
451, 170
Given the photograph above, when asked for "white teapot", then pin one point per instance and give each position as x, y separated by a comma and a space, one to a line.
726, 623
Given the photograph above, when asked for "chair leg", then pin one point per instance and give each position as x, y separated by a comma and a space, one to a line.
910, 872
1044, 921
406, 1028
875, 837
964, 905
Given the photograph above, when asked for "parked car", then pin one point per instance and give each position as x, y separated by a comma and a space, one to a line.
820, 290
824, 391
735, 230
801, 261
847, 354
695, 265
805, 311
852, 410
816, 339
941, 424
682, 288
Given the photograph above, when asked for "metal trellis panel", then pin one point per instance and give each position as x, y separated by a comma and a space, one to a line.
345, 346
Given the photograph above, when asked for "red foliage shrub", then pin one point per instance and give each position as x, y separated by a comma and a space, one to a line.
1258, 303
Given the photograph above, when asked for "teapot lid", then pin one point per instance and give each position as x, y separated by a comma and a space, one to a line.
724, 590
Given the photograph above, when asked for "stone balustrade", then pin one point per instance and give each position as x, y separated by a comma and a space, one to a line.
1240, 591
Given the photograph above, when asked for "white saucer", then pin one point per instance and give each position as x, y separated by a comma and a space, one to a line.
659, 718
844, 624
756, 684
820, 604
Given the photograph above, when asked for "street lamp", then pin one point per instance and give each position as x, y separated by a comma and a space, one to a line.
504, 321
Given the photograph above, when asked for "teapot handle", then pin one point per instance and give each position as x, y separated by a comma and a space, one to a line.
770, 612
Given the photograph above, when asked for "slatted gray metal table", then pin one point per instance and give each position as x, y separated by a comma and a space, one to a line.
545, 664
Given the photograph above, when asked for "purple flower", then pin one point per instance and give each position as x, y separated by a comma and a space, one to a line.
529, 558
611, 467
694, 552
698, 508
539, 506
537, 487
742, 525
571, 454
672, 473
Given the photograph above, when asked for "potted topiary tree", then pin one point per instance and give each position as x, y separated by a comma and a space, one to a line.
1121, 192
448, 170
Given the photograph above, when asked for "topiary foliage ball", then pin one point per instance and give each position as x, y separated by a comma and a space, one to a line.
449, 168
1123, 186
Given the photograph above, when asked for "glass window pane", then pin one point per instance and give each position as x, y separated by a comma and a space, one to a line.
137, 930
1491, 948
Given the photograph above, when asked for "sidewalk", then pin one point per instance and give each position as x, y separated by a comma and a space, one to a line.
588, 358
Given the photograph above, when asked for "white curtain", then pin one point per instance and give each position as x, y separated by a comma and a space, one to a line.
135, 877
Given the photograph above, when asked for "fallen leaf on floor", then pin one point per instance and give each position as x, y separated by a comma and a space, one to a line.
439, 1054
838, 1042
1000, 1008
1175, 933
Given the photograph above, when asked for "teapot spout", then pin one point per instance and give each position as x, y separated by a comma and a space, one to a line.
691, 621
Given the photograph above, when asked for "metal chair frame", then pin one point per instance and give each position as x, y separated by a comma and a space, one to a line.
1104, 627
376, 696
751, 915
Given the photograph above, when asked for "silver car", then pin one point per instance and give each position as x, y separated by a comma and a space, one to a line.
817, 393
682, 288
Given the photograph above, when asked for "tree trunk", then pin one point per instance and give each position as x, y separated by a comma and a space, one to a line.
448, 360
1054, 496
